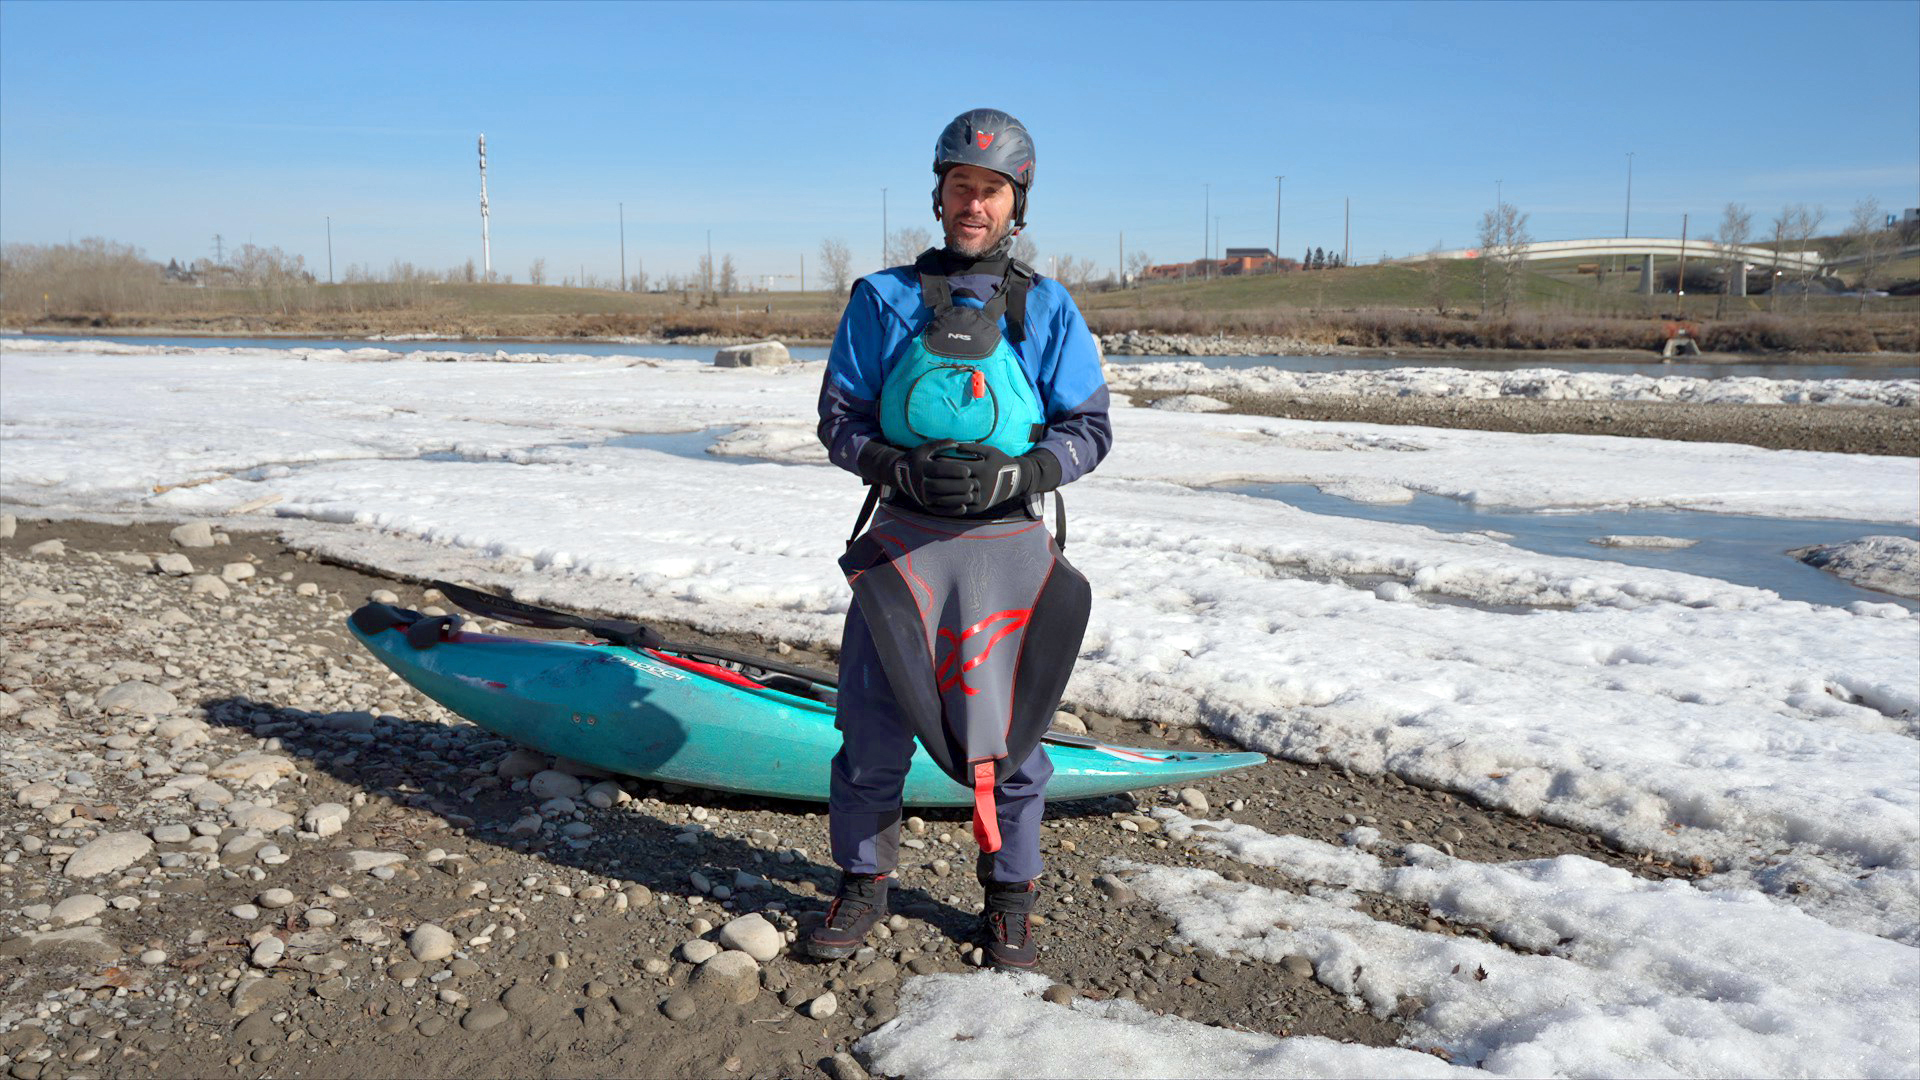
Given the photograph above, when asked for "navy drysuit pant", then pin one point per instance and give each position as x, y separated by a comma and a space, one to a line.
870, 771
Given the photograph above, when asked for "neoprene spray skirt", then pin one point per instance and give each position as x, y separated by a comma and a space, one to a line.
977, 625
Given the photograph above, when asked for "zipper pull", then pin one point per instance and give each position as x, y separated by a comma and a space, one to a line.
979, 383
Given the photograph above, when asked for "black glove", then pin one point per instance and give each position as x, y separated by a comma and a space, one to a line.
944, 485
998, 477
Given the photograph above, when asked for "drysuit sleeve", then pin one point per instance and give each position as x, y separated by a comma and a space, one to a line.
1074, 390
856, 369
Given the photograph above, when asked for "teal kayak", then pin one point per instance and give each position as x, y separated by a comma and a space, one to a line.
666, 716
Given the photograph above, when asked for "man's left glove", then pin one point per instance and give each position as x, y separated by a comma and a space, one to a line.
999, 477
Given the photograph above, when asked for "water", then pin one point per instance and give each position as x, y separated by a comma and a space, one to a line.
819, 352
1732, 547
577, 348
1652, 369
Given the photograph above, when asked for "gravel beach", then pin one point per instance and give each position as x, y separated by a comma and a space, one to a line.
236, 846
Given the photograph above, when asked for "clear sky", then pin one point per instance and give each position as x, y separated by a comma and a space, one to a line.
777, 125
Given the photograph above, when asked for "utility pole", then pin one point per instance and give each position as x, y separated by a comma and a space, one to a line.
1680, 286
1279, 193
623, 247
219, 249
486, 241
1626, 231
1206, 238
329, 250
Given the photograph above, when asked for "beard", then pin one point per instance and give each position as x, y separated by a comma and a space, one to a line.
991, 244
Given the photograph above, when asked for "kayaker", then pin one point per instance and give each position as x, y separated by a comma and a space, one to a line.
963, 388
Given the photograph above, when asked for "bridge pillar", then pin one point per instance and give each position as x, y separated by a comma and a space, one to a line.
1737, 285
1646, 275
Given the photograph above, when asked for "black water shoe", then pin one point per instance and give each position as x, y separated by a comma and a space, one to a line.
1007, 924
860, 902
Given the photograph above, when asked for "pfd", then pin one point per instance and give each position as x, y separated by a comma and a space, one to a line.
961, 379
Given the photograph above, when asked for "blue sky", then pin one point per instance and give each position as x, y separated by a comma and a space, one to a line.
776, 125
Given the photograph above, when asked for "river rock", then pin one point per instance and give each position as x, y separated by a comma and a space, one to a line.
264, 818
77, 909
1297, 965
753, 935
274, 899
550, 784
173, 564
822, 1007
487, 1014
8, 523
519, 764
236, 572
605, 795
196, 534
326, 819
268, 952
108, 854
252, 995
698, 951
139, 698
372, 860
208, 585
758, 354
48, 548
429, 943
251, 766
90, 942
731, 976
679, 1007
1194, 799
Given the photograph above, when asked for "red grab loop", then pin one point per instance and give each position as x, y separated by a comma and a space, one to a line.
979, 383
986, 820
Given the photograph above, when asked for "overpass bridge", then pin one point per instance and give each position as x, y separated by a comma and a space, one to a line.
1649, 248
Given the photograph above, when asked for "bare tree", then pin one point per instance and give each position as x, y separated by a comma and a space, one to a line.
1025, 250
905, 245
703, 274
1869, 240
1433, 270
1137, 263
1503, 243
537, 272
1806, 225
1736, 224
729, 276
1782, 228
1072, 272
836, 262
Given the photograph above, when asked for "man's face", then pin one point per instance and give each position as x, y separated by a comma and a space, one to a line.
976, 208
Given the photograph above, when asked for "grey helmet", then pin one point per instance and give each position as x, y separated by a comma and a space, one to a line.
993, 140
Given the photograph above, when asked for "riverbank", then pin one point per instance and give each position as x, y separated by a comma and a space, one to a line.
237, 846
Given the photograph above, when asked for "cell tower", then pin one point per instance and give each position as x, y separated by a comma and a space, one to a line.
486, 242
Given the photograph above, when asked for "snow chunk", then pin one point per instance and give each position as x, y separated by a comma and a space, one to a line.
1889, 564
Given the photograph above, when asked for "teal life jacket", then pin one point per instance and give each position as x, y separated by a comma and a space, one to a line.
961, 379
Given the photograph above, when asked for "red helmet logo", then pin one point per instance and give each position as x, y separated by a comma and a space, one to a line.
984, 139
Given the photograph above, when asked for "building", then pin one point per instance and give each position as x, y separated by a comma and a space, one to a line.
1235, 262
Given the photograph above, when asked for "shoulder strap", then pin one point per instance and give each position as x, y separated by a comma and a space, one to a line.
1019, 280
866, 513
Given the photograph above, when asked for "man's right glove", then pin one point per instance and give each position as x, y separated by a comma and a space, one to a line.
941, 484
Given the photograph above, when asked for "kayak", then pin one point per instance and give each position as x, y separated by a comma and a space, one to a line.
662, 714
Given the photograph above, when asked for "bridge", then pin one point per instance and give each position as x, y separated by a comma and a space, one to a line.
1649, 248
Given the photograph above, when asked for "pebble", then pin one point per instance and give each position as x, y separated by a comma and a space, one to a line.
822, 1007
1297, 965
153, 957
244, 911
1115, 889
485, 1015
173, 564
698, 951
268, 952
141, 698
844, 1066
429, 943
172, 834
731, 975
679, 1007
208, 585
319, 917
108, 854
753, 935
325, 819
48, 547
77, 909
1194, 799
274, 899
194, 534
551, 784
1059, 994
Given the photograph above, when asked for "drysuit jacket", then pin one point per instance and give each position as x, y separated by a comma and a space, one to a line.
1057, 352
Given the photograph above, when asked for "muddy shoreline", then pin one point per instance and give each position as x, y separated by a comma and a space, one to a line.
592, 979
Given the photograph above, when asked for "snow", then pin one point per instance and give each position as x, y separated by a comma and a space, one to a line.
1632, 977
1654, 543
1888, 563
1677, 714
994, 1025
1545, 384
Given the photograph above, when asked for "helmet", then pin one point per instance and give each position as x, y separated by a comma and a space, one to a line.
993, 140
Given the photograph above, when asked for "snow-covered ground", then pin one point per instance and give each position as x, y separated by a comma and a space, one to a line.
1545, 384
1680, 714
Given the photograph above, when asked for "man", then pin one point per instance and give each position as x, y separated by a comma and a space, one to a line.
963, 388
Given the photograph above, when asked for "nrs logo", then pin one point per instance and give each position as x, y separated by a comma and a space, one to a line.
959, 337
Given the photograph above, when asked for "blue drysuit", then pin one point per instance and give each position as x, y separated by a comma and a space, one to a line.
1058, 354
